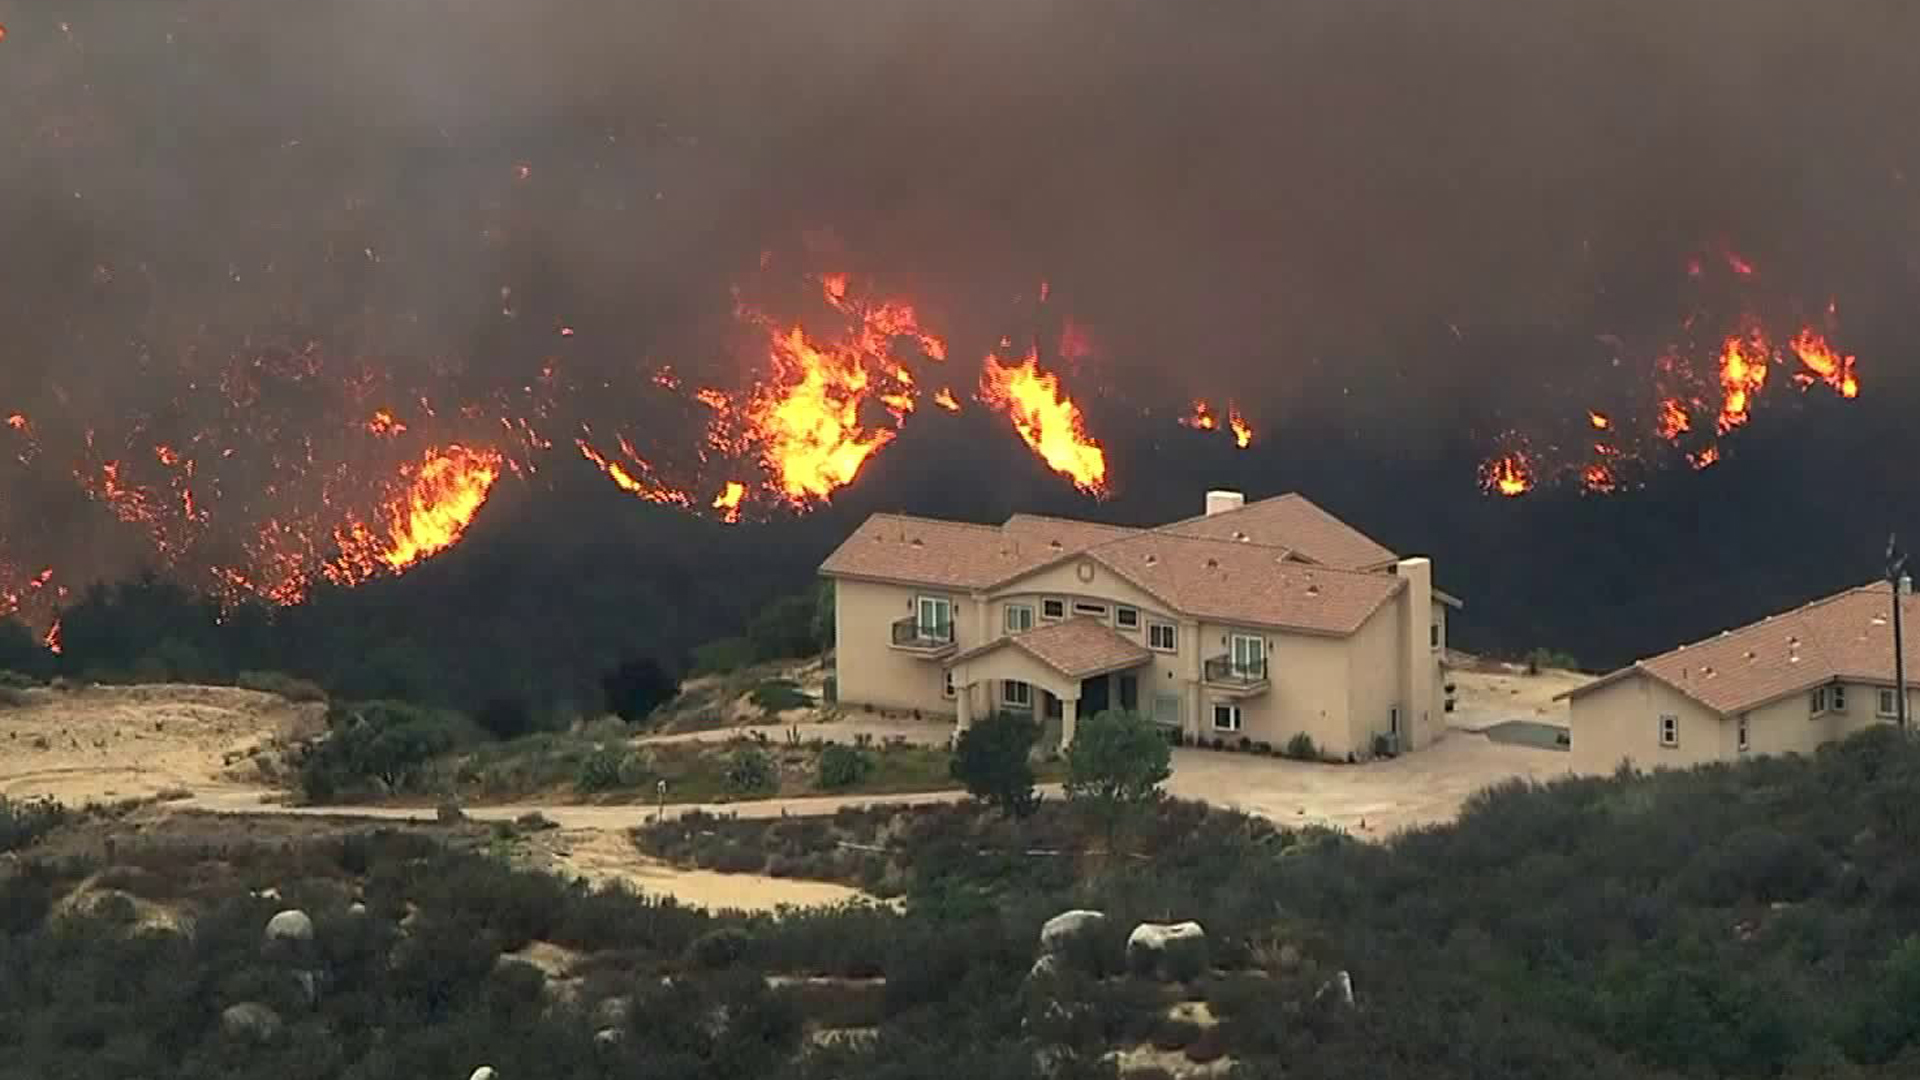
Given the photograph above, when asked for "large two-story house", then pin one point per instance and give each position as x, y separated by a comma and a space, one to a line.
1259, 621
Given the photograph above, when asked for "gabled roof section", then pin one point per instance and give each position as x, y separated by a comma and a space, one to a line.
1071, 535
1294, 522
1232, 582
1847, 636
1076, 648
927, 551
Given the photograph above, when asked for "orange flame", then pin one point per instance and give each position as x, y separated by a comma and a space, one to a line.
441, 496
1739, 265
647, 488
1743, 374
1600, 421
1242, 431
1826, 365
1047, 420
1673, 420
52, 640
728, 501
945, 399
19, 423
1509, 474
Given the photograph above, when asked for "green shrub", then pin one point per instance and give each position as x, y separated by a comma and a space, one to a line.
277, 682
383, 742
24, 822
992, 759
751, 771
779, 695
601, 770
12, 697
722, 656
1301, 748
844, 766
785, 629
1542, 658
718, 949
13, 680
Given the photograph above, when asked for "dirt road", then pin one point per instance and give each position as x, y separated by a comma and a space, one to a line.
192, 745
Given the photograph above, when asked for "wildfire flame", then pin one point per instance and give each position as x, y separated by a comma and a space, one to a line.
1824, 364
1203, 418
1242, 431
644, 486
728, 501
1046, 418
1743, 374
439, 498
945, 399
1509, 474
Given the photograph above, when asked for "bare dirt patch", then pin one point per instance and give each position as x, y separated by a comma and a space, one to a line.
601, 856
104, 744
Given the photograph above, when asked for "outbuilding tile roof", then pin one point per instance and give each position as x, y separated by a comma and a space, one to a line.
1848, 636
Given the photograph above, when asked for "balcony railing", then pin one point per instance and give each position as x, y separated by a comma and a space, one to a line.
1225, 671
911, 633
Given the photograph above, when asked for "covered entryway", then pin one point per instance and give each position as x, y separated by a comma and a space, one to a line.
1059, 671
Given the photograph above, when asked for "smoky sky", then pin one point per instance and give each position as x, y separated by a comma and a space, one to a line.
1412, 218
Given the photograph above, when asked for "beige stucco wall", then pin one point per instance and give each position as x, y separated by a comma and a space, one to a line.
1338, 690
1621, 721
867, 668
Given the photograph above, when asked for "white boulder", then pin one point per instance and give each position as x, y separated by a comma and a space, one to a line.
251, 1021
290, 925
484, 1072
1176, 951
1066, 926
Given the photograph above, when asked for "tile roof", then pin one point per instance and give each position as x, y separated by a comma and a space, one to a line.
1242, 575
927, 551
1846, 636
1290, 521
1076, 648
1235, 582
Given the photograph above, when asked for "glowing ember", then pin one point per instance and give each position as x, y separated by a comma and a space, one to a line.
945, 399
1201, 418
1047, 420
1704, 457
1824, 364
1739, 265
19, 423
52, 639
383, 423
1509, 473
439, 499
1672, 420
1600, 421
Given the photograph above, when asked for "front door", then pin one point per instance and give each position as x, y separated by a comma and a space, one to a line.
1093, 696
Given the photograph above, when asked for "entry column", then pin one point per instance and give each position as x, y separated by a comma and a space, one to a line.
1069, 715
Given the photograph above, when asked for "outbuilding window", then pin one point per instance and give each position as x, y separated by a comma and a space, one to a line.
946, 684
1126, 618
1016, 693
1669, 730
1837, 697
1019, 617
1226, 717
1053, 608
1889, 703
1741, 730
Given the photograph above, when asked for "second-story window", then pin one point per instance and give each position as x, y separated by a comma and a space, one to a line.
1162, 637
935, 618
1126, 618
1053, 608
1019, 617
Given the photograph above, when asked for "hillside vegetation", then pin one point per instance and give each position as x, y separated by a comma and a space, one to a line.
1750, 921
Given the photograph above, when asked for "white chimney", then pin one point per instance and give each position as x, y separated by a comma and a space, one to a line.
1906, 580
1219, 502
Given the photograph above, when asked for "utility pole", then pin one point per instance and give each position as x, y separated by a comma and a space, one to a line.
1896, 577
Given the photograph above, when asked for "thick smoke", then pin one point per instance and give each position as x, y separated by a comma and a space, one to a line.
1390, 230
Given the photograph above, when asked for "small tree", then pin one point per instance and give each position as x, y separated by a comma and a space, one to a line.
1115, 765
991, 761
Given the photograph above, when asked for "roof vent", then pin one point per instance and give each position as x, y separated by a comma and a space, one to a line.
1708, 673
1752, 656
1213, 563
1054, 544
1152, 558
916, 542
1793, 642
1313, 590
1879, 620
1240, 536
